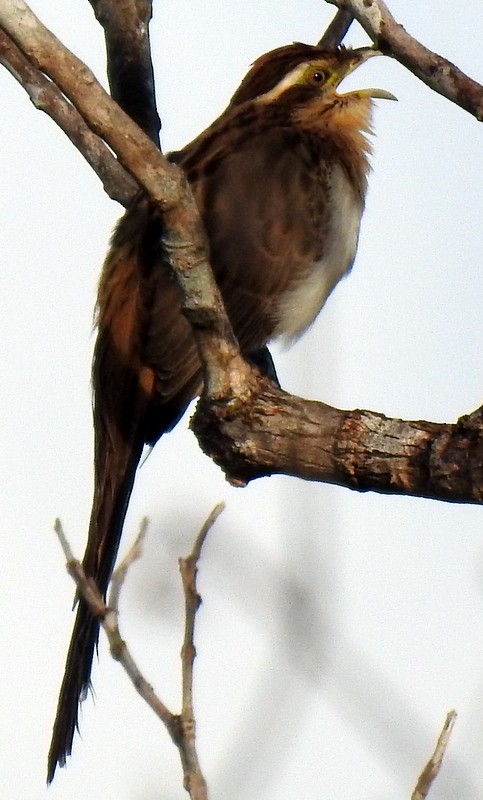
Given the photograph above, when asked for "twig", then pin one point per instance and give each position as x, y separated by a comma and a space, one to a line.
118, 647
337, 29
46, 97
86, 587
188, 570
181, 727
432, 768
435, 71
108, 618
119, 574
193, 778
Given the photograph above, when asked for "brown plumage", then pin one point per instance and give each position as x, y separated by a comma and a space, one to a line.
279, 180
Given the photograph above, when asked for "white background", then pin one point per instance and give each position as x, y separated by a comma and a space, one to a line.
337, 628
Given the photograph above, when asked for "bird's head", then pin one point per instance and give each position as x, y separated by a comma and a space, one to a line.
300, 82
306, 70
293, 87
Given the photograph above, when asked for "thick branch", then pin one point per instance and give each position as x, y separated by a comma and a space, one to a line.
435, 71
274, 432
253, 429
129, 65
46, 97
165, 184
78, 83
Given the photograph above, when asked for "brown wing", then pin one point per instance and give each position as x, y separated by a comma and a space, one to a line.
263, 210
261, 199
165, 346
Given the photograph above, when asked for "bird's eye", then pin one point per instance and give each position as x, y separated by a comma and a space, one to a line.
317, 77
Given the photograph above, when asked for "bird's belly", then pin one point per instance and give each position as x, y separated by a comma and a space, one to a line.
299, 307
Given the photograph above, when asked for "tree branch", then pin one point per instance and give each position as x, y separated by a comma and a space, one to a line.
108, 616
165, 184
435, 71
273, 432
46, 97
188, 567
337, 29
181, 727
251, 428
432, 768
129, 64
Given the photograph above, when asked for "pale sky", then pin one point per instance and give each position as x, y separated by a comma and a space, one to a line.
337, 628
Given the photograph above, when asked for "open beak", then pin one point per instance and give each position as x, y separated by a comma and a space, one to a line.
361, 55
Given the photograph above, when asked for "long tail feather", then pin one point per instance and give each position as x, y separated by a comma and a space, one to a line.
98, 563
120, 403
145, 372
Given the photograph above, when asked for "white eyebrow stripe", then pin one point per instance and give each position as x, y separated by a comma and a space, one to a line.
287, 81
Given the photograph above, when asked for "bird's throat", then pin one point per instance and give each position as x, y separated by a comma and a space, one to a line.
344, 126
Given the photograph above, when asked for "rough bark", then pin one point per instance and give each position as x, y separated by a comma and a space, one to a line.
274, 432
248, 426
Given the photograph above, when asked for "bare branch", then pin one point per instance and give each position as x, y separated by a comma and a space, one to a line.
119, 574
194, 781
253, 429
435, 71
108, 618
188, 569
129, 65
165, 184
181, 727
433, 766
337, 29
78, 83
85, 586
46, 97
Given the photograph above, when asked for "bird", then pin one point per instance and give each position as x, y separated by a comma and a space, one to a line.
280, 180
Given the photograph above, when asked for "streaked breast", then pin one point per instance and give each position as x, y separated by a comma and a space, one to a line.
299, 308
